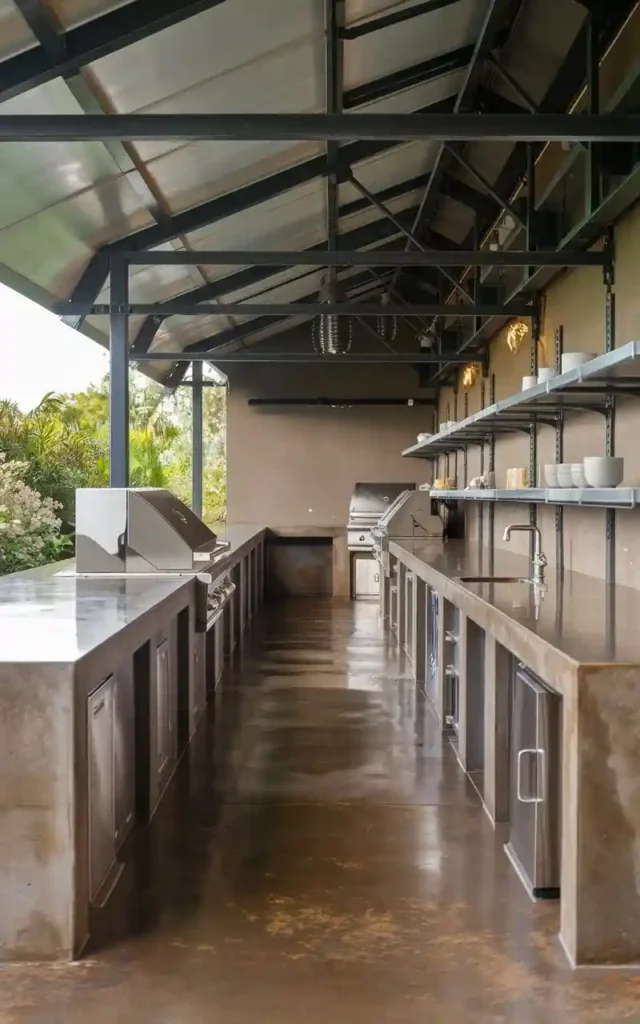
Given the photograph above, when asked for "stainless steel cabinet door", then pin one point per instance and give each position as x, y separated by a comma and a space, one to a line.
123, 756
101, 803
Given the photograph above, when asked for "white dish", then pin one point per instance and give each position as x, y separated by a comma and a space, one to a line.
529, 382
565, 474
577, 472
572, 360
423, 437
546, 373
603, 471
551, 475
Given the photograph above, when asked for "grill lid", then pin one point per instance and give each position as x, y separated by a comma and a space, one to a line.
370, 501
144, 529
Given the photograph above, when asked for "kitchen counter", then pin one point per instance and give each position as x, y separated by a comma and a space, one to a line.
46, 617
102, 684
582, 639
579, 621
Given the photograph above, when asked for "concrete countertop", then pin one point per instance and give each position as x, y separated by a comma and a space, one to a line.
48, 618
579, 622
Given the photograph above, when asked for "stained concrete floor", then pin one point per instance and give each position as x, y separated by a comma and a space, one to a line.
320, 857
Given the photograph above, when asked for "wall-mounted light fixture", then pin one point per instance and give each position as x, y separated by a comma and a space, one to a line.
470, 374
516, 333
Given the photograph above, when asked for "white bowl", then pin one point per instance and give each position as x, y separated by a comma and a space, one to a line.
442, 427
572, 360
546, 373
577, 472
603, 470
565, 475
529, 382
424, 437
551, 475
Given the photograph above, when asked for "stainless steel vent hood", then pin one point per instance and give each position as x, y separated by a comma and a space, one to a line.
139, 530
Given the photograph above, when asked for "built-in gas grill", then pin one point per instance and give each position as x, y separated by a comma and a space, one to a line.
409, 518
368, 504
149, 532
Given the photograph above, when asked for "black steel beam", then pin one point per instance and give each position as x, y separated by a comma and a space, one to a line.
42, 24
372, 258
452, 187
322, 127
413, 358
366, 235
211, 212
311, 309
383, 21
344, 402
91, 41
416, 74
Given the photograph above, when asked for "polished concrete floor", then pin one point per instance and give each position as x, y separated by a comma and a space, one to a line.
320, 858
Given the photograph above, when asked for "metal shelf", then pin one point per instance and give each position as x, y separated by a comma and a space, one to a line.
588, 497
585, 389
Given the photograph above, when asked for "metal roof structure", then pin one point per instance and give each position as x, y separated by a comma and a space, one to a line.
174, 154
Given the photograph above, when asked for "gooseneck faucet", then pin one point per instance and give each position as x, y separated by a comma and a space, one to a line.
539, 560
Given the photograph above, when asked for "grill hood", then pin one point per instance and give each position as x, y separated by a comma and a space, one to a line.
139, 530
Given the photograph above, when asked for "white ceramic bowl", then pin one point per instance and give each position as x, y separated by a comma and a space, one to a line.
577, 472
572, 360
442, 427
565, 475
529, 382
551, 475
424, 437
546, 373
603, 470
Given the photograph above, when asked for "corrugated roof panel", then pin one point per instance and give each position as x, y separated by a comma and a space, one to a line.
36, 175
453, 220
193, 174
370, 213
51, 248
411, 42
75, 12
232, 37
416, 97
293, 220
396, 165
15, 34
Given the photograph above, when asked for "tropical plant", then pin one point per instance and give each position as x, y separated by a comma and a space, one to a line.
30, 530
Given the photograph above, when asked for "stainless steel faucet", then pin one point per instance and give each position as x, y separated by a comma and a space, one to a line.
539, 560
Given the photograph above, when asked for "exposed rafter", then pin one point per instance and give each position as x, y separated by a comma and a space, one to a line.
89, 42
417, 74
364, 28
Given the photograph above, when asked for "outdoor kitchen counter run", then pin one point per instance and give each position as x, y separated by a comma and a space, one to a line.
583, 640
48, 618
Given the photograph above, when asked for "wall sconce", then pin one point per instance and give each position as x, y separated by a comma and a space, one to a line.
516, 333
470, 374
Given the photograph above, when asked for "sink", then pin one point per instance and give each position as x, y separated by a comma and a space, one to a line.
494, 579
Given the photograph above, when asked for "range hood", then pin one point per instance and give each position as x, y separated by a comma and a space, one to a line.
140, 530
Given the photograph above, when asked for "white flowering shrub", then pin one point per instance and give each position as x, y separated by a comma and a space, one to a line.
29, 527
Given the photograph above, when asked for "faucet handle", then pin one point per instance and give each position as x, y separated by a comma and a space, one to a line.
540, 559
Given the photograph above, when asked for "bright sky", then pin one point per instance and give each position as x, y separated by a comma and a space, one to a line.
38, 354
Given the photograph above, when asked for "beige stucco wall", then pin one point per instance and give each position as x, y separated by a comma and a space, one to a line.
296, 467
575, 301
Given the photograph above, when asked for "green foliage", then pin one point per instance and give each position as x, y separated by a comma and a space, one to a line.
30, 533
64, 444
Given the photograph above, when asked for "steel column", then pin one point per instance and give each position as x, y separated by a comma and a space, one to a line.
119, 377
197, 458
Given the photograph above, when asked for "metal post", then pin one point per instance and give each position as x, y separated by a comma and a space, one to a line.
594, 150
492, 465
198, 440
119, 376
531, 203
610, 447
481, 503
559, 451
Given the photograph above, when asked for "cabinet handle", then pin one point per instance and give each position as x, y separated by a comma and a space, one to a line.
539, 755
450, 636
98, 708
451, 672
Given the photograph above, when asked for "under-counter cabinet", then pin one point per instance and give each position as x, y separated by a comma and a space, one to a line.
111, 775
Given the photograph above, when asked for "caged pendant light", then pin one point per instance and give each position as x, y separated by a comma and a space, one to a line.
386, 326
331, 333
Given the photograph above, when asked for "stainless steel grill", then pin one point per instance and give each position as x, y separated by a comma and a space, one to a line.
368, 504
410, 517
150, 532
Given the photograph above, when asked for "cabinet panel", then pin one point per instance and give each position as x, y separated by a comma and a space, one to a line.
101, 792
198, 678
123, 757
162, 706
